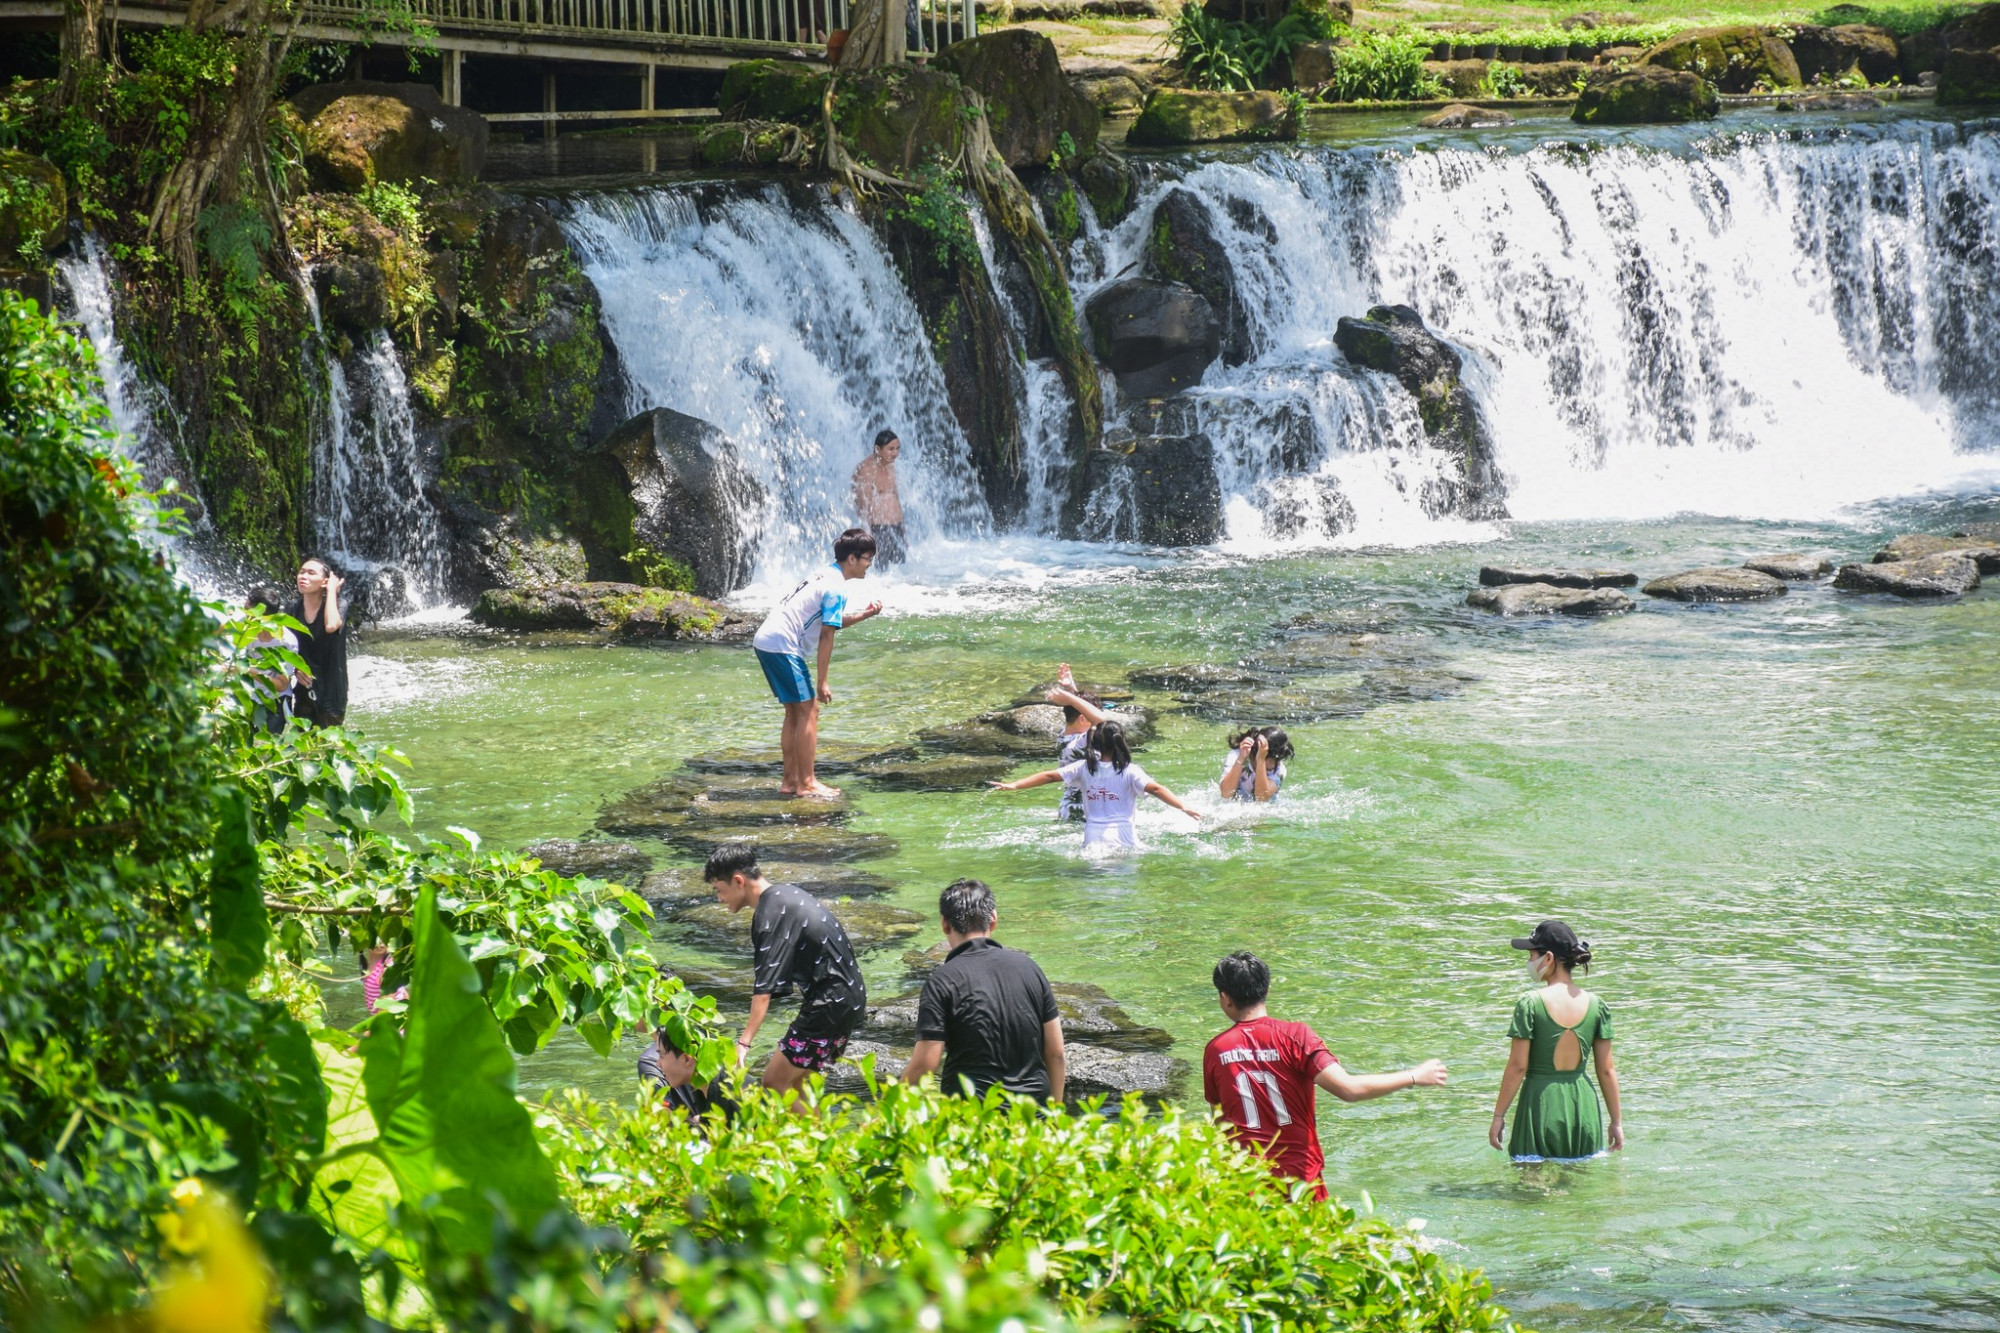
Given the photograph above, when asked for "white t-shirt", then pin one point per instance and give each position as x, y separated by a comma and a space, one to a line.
793, 625
1246, 781
1110, 798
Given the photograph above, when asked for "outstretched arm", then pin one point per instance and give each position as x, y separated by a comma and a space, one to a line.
1042, 779
1607, 1080
1155, 789
1367, 1087
1510, 1083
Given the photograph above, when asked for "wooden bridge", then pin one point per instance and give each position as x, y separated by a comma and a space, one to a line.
638, 37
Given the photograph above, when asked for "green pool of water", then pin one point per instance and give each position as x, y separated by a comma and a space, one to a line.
1776, 822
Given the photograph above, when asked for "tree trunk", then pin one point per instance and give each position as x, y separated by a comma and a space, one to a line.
82, 47
878, 36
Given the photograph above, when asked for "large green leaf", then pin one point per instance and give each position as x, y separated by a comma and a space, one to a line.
355, 1193
297, 1096
442, 1094
238, 926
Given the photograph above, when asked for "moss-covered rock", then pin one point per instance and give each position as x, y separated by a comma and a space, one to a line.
1969, 58
751, 143
1843, 52
1109, 183
692, 501
1030, 106
33, 207
1184, 116
1736, 58
1645, 95
366, 274
1184, 245
786, 90
901, 118
360, 133
623, 610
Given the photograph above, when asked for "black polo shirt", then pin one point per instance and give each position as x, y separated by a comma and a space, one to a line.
987, 1004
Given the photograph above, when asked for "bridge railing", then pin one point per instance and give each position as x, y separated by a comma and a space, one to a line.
788, 23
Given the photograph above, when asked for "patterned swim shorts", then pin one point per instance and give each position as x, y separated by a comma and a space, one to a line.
816, 1054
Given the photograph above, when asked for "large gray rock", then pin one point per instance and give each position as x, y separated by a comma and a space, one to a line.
1393, 340
1716, 585
490, 550
619, 862
1184, 245
1028, 730
358, 133
1915, 545
1159, 490
1792, 567
1845, 51
691, 497
1946, 575
1543, 599
1156, 337
1030, 106
1099, 1071
1496, 576
623, 610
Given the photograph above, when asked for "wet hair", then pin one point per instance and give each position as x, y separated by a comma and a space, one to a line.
1107, 741
885, 438
265, 597
1070, 713
667, 1043
730, 860
1243, 978
1280, 745
319, 560
853, 542
967, 906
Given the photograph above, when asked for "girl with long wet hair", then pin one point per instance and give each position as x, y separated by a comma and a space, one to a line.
1109, 785
1559, 1030
1255, 768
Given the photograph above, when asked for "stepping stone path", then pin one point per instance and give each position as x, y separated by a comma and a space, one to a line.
1716, 585
616, 862
1545, 599
1793, 568
1498, 576
1947, 575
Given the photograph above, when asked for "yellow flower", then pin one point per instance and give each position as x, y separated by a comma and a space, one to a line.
223, 1286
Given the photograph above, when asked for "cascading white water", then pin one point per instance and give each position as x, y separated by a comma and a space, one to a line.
784, 324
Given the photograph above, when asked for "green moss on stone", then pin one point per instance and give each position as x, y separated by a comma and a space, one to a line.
33, 206
1184, 116
786, 90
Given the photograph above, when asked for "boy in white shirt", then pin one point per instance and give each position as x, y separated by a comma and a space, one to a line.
799, 629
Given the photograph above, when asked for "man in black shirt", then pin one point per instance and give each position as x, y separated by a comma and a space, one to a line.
987, 1012
796, 943
674, 1069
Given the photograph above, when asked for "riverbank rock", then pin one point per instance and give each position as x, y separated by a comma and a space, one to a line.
1916, 545
622, 610
1183, 246
1027, 731
1110, 183
1156, 337
1737, 58
1095, 1071
1969, 57
901, 117
1393, 339
1716, 585
1645, 95
1112, 92
1845, 51
360, 133
788, 90
1542, 599
619, 862
1946, 575
1183, 116
1459, 116
34, 206
869, 924
689, 496
1497, 576
1161, 490
1793, 568
1030, 106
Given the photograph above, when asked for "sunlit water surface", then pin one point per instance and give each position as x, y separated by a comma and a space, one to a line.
1776, 822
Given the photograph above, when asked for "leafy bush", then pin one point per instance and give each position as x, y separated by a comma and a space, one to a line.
1165, 1223
1382, 67
1240, 54
656, 569
1899, 19
1504, 80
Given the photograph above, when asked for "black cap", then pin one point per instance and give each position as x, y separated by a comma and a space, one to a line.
1552, 937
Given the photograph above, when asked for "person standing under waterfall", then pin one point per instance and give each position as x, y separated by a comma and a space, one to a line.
322, 689
799, 630
1559, 1030
878, 503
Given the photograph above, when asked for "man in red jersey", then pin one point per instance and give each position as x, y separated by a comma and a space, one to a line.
1260, 1074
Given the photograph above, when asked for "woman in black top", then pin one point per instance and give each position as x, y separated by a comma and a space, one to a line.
322, 697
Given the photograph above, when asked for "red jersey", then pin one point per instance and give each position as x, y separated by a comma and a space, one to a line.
1260, 1073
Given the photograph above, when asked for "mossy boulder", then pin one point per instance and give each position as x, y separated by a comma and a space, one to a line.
901, 118
787, 90
750, 143
366, 274
1184, 116
1736, 59
1109, 183
1112, 92
1846, 51
33, 207
1030, 106
358, 133
1645, 95
1184, 244
1969, 58
622, 610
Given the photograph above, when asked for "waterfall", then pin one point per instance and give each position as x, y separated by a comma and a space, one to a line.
784, 324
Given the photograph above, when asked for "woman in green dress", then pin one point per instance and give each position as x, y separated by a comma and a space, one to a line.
1559, 1030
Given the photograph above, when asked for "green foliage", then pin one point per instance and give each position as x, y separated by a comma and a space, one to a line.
654, 569
1900, 19
1503, 80
1240, 54
238, 928
235, 237
1382, 67
939, 210
397, 207
1162, 1222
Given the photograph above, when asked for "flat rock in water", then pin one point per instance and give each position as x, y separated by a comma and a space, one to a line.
921, 963
1949, 575
922, 771
816, 844
1088, 1015
1791, 567
1289, 701
1499, 576
1095, 1070
688, 800
869, 924
1716, 585
833, 757
1543, 599
730, 986
1029, 731
668, 892
1915, 545
618, 862
845, 1075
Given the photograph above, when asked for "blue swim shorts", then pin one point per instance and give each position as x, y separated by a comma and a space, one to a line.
790, 679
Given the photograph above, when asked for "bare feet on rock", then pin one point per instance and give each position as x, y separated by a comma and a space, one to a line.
819, 791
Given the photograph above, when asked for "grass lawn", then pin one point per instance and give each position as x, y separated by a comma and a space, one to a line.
1898, 17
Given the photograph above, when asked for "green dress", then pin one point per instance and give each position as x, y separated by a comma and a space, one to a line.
1556, 1115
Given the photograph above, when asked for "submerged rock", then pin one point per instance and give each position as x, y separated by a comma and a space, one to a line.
915, 770
1496, 576
1912, 546
1393, 340
1030, 106
869, 924
1946, 575
1156, 337
1793, 568
358, 133
691, 497
1716, 585
1543, 599
623, 610
620, 862
1644, 95
1459, 116
1736, 58
675, 890
1184, 116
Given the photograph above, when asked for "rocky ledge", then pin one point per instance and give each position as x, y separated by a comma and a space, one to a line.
1545, 599
619, 610
1495, 576
1716, 585
1949, 574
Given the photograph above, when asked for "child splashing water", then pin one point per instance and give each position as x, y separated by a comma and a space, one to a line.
1109, 784
1080, 714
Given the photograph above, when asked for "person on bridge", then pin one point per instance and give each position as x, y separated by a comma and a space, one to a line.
877, 501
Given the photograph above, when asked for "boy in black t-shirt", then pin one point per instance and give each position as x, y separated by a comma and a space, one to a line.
798, 944
987, 1012
673, 1070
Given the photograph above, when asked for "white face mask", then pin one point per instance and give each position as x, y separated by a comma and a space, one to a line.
1538, 966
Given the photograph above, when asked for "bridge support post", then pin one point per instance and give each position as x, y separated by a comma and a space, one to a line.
646, 88
454, 78
549, 104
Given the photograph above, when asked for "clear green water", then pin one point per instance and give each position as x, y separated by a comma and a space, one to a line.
1777, 823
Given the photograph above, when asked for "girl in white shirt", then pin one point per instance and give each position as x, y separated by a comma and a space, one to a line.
1109, 785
